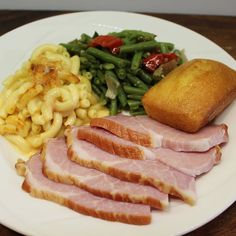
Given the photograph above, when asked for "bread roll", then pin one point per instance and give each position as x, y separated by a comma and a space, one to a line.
191, 95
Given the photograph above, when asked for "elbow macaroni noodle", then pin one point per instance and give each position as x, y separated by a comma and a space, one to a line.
44, 96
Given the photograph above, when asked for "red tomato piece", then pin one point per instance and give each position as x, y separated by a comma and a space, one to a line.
106, 41
152, 62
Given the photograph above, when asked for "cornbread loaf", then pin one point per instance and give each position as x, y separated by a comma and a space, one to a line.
191, 95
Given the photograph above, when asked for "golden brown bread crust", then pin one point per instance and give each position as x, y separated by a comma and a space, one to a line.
191, 95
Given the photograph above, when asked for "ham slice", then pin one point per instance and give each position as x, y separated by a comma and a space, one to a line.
188, 163
154, 173
82, 201
58, 167
148, 132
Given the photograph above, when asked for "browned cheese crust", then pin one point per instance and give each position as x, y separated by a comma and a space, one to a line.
191, 95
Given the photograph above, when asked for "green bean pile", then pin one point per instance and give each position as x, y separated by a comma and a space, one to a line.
119, 79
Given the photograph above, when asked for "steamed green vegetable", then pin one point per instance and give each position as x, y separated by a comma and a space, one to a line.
123, 65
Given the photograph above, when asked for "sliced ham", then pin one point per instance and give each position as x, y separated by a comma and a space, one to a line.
148, 132
155, 173
112, 143
189, 163
80, 200
58, 167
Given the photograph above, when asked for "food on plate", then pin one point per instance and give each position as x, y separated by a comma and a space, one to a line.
191, 163
91, 179
71, 83
80, 200
120, 166
44, 96
154, 173
151, 133
124, 65
191, 95
20, 167
80, 175
58, 167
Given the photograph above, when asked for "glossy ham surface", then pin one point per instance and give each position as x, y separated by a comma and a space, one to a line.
154, 173
58, 167
150, 133
80, 200
112, 143
191, 163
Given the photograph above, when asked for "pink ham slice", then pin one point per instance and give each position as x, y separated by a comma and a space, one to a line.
82, 201
58, 167
188, 163
154, 173
148, 132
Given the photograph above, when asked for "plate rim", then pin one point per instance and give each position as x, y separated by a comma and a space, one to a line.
128, 13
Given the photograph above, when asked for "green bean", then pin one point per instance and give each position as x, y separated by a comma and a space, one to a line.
91, 58
96, 90
133, 103
145, 77
95, 34
83, 60
146, 54
84, 38
113, 107
135, 97
138, 112
93, 72
137, 82
83, 67
168, 46
158, 74
94, 65
136, 60
121, 73
73, 48
134, 108
143, 46
83, 53
133, 90
103, 100
122, 97
181, 56
128, 41
101, 76
126, 83
108, 66
119, 80
107, 57
104, 89
164, 48
135, 34
87, 74
111, 74
97, 81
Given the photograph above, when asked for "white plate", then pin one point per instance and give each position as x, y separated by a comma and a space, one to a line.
216, 190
